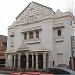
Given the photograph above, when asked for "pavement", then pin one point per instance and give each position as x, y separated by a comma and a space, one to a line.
9, 71
6, 72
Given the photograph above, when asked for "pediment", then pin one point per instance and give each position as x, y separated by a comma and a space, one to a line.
34, 12
23, 47
58, 13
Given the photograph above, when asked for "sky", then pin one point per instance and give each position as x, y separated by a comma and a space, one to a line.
10, 9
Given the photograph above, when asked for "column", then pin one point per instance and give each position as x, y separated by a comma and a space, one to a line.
34, 34
49, 57
11, 61
32, 61
36, 61
19, 57
8, 64
27, 35
27, 61
14, 60
44, 60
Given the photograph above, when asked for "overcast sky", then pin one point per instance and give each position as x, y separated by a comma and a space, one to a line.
10, 9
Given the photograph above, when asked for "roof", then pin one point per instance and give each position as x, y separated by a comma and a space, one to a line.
35, 3
3, 38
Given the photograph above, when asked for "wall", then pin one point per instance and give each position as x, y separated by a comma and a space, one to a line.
65, 45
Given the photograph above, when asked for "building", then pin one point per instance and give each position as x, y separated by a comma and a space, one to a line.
40, 38
3, 48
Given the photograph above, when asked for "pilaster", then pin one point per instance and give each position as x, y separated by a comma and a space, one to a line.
19, 57
36, 61
32, 61
27, 61
44, 60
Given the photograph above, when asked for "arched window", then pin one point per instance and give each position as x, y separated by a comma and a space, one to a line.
30, 35
37, 34
25, 35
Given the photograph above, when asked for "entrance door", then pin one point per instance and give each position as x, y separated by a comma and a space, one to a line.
40, 61
30, 61
23, 61
34, 61
16, 64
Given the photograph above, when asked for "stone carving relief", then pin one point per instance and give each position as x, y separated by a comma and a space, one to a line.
34, 13
31, 18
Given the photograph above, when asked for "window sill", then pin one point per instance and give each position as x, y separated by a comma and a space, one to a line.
59, 39
31, 41
11, 44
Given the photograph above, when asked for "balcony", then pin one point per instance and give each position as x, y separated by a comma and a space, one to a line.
31, 41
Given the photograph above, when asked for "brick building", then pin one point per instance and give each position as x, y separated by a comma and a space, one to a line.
3, 47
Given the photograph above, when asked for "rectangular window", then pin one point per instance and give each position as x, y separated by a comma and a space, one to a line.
59, 32
60, 58
31, 35
1, 54
12, 38
25, 35
37, 34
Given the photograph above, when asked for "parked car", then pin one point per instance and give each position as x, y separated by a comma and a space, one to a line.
62, 66
49, 71
57, 71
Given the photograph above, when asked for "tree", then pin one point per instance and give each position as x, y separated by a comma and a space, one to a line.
71, 7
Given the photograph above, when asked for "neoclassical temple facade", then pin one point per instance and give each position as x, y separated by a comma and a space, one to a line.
40, 38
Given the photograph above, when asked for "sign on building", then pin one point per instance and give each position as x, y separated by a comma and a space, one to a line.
73, 45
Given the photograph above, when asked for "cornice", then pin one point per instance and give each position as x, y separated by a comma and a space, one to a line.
65, 16
25, 24
32, 29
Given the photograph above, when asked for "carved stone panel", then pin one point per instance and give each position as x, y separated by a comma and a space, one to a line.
34, 12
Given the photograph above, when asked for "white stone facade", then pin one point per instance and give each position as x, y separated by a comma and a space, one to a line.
50, 46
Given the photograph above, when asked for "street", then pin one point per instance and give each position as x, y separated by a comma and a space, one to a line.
4, 74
